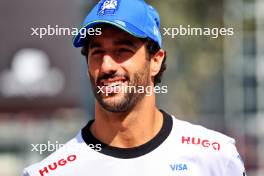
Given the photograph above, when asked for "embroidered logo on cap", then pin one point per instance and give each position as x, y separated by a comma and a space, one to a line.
108, 7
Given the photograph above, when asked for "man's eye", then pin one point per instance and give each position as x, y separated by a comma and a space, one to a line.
95, 52
124, 50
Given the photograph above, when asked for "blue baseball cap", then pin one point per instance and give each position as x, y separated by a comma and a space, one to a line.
133, 16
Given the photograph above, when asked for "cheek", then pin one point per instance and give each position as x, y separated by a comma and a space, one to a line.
137, 62
92, 64
93, 74
139, 65
93, 67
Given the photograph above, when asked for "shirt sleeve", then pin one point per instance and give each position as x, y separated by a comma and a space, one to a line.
235, 165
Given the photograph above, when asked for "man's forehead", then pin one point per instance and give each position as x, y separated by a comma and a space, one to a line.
113, 34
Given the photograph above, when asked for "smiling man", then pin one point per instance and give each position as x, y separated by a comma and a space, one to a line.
130, 135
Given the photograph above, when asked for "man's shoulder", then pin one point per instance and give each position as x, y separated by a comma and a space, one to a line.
201, 139
208, 145
199, 132
61, 157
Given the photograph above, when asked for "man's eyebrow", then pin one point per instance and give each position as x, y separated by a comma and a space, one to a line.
126, 42
94, 45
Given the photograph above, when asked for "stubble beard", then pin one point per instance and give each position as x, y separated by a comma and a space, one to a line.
127, 101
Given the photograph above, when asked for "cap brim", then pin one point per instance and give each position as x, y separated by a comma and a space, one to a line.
78, 40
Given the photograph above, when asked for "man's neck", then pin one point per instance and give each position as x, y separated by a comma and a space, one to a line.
126, 130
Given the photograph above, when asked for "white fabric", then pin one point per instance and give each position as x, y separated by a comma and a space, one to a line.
189, 150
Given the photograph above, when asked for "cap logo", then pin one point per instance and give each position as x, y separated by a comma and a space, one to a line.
108, 7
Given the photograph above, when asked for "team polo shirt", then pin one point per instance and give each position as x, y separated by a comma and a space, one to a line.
179, 149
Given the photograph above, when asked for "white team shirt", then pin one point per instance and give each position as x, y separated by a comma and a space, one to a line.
179, 149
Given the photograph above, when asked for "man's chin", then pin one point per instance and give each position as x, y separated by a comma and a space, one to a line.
113, 100
114, 103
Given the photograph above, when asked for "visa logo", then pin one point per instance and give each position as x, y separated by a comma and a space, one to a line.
178, 167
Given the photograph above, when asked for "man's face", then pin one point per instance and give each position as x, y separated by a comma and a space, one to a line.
116, 61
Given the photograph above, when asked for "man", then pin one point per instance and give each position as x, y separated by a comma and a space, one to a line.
130, 136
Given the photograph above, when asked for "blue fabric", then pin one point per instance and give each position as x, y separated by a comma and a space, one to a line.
133, 16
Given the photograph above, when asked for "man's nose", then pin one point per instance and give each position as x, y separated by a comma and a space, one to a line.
109, 64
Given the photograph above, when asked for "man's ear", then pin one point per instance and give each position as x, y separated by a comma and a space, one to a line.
156, 61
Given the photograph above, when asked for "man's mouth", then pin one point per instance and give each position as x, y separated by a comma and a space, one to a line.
112, 85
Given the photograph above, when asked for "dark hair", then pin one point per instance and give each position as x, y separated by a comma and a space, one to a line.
152, 48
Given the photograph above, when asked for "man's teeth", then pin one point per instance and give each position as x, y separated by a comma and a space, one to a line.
112, 84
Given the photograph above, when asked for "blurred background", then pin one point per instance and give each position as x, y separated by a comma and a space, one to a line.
45, 94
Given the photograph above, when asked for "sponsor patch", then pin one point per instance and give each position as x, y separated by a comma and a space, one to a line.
57, 164
108, 7
201, 142
178, 167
